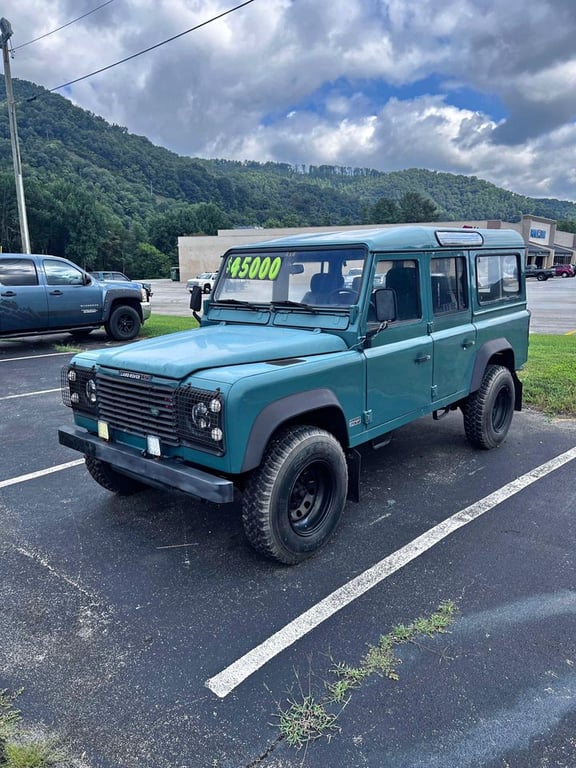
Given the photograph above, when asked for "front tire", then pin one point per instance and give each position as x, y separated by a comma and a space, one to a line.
124, 324
488, 411
293, 502
113, 481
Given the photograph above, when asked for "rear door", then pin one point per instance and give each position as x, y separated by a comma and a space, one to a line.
453, 333
23, 301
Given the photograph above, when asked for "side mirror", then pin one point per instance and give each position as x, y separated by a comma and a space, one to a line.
385, 301
196, 298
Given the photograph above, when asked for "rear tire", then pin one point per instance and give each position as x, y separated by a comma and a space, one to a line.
124, 323
488, 411
294, 500
113, 481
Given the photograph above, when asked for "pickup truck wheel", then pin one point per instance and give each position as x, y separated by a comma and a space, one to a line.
541, 277
124, 324
488, 411
293, 502
113, 481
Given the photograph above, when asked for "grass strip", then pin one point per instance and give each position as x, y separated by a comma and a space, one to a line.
549, 377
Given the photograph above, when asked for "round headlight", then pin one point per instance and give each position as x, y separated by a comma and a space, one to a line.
75, 397
200, 416
215, 406
216, 434
71, 375
91, 391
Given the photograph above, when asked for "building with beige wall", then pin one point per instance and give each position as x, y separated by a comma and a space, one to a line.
545, 244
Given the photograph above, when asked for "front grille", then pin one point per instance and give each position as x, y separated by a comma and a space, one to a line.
141, 407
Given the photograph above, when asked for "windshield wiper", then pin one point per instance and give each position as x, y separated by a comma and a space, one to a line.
238, 303
288, 304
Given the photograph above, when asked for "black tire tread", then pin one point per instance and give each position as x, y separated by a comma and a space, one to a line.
259, 490
112, 481
111, 326
475, 409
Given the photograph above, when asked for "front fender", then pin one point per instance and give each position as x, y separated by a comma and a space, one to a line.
279, 412
120, 295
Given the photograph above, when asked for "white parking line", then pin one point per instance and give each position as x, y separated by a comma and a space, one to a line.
40, 473
226, 681
35, 357
30, 394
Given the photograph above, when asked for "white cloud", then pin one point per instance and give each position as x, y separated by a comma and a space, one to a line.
329, 81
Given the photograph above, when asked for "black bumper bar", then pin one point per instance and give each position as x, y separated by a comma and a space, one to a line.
164, 472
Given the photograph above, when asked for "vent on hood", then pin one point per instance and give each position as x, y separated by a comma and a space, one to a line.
286, 361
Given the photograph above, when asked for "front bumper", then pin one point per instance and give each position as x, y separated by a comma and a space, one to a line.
146, 309
152, 471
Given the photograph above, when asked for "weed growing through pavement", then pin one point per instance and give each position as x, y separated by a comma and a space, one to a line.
20, 750
308, 718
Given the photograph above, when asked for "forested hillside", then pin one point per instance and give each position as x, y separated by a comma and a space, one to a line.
109, 199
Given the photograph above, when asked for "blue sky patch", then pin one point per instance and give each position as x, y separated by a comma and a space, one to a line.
373, 94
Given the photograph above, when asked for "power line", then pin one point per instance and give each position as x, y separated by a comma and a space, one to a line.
146, 50
17, 48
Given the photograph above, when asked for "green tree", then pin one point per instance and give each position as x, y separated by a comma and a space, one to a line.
416, 207
385, 211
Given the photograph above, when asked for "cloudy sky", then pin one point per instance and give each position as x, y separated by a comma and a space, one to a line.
479, 87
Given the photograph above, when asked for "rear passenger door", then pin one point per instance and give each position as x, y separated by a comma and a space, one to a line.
453, 333
23, 301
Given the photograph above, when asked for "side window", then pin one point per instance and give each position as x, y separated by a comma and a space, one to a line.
18, 272
401, 275
60, 273
497, 277
449, 283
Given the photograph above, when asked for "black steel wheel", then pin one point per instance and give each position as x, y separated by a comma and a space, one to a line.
488, 411
113, 481
293, 502
124, 323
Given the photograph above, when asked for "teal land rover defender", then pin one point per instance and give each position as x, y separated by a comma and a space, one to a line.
309, 347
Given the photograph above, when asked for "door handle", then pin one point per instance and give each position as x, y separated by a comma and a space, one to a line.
9, 293
423, 359
468, 343
56, 293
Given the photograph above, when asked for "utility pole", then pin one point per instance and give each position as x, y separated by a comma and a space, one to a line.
5, 35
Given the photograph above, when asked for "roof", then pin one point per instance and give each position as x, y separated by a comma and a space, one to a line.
404, 238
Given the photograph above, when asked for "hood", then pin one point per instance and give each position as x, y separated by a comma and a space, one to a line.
177, 355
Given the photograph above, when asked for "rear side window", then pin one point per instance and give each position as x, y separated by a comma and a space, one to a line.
18, 272
449, 284
497, 277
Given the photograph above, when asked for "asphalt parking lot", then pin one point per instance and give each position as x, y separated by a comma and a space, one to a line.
145, 632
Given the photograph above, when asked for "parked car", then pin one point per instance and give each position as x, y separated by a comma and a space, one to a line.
205, 280
564, 270
540, 273
109, 276
290, 373
47, 294
350, 275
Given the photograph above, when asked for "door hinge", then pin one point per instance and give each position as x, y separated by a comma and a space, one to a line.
434, 391
367, 417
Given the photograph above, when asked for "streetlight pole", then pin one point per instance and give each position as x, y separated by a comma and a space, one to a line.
5, 35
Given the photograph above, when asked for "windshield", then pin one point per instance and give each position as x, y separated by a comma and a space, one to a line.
308, 277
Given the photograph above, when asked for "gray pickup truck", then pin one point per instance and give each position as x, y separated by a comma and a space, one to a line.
46, 294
